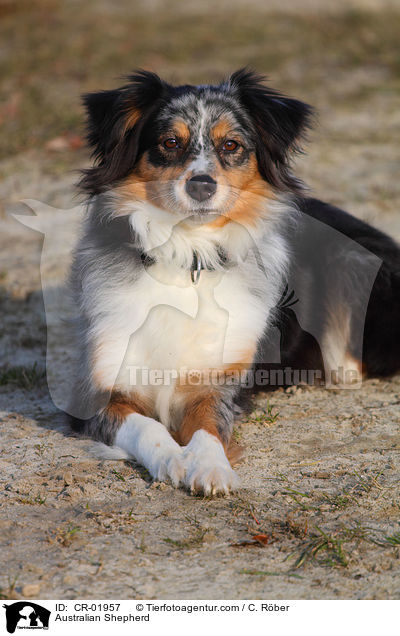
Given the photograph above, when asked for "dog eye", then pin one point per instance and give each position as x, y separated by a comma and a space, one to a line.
171, 143
230, 145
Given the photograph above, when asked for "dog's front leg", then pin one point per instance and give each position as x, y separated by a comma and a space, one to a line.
147, 441
141, 437
205, 432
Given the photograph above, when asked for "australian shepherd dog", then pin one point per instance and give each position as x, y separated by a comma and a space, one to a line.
204, 273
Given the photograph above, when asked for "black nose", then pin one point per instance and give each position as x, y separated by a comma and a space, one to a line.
201, 187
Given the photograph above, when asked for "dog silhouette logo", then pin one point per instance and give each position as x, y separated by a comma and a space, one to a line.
26, 615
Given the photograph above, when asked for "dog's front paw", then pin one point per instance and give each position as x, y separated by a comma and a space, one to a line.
207, 467
210, 479
170, 467
149, 443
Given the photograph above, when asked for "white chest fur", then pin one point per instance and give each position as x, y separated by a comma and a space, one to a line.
208, 325
165, 324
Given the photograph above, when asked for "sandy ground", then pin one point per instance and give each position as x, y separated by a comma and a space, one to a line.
320, 480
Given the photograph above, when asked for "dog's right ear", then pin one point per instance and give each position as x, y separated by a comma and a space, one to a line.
115, 120
103, 120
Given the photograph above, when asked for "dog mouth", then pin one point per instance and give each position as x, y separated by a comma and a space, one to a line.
203, 215
205, 211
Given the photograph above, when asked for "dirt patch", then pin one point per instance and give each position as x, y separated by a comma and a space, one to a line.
320, 487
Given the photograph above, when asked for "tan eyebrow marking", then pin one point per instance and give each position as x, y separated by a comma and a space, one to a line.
221, 129
181, 129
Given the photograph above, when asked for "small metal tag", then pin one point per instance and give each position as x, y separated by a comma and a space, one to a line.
195, 270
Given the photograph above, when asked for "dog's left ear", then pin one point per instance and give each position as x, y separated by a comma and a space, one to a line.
280, 122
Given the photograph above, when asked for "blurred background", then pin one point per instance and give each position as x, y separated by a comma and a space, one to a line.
342, 56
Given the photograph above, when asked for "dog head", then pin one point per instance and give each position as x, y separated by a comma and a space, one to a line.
200, 151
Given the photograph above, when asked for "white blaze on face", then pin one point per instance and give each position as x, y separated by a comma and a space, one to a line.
202, 126
201, 164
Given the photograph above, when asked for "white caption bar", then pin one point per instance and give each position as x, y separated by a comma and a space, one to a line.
182, 617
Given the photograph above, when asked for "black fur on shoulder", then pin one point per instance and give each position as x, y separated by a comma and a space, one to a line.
114, 130
280, 123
